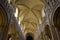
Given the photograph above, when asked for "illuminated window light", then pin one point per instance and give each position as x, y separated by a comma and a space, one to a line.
16, 13
19, 21
43, 13
10, 39
9, 1
40, 22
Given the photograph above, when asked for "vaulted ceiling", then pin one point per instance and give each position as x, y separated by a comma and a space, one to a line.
28, 14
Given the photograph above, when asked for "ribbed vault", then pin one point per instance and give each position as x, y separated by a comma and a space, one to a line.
29, 14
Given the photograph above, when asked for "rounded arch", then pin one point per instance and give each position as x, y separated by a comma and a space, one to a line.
56, 18
3, 17
29, 36
3, 22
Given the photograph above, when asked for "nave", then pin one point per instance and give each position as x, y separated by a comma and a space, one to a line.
29, 19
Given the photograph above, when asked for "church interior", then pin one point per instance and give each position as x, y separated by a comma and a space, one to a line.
29, 20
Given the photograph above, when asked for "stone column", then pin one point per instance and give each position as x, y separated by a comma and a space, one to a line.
53, 33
